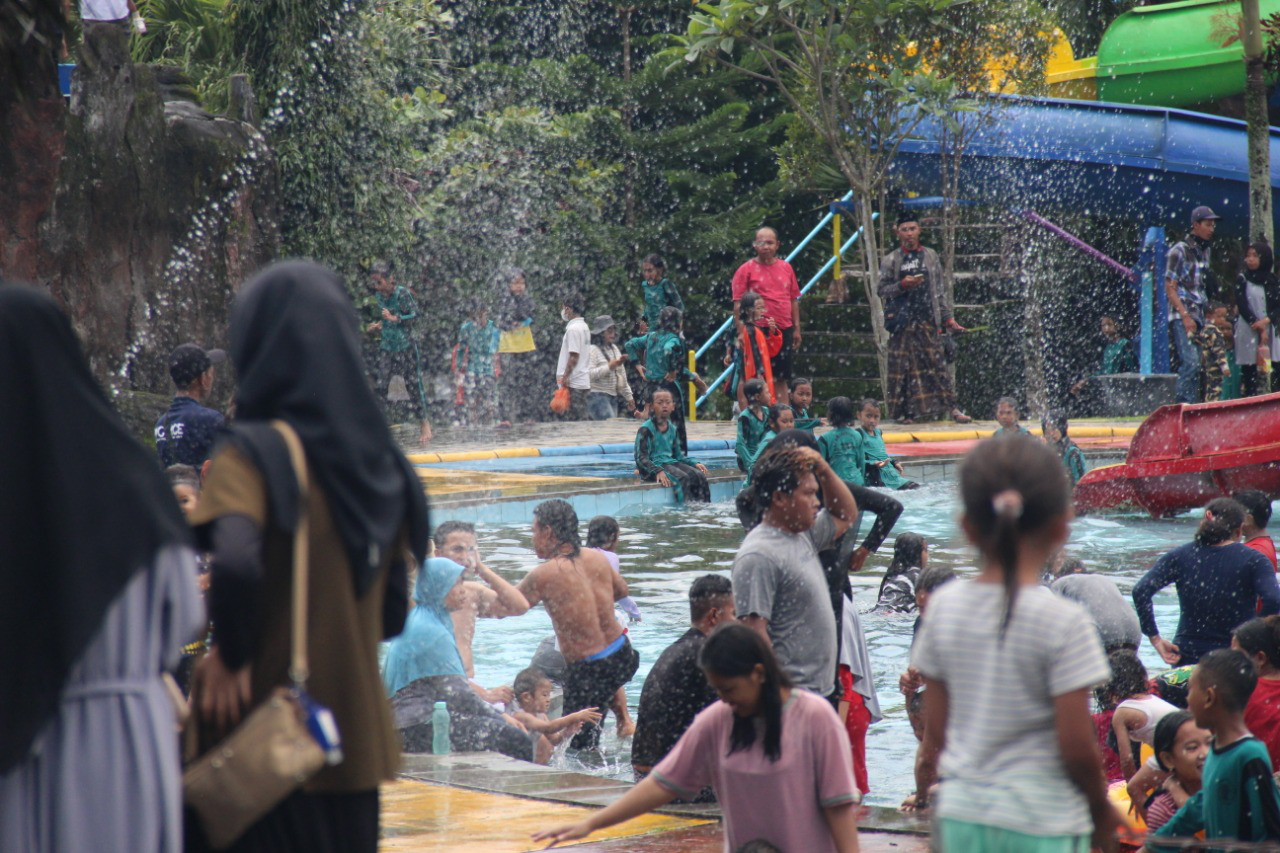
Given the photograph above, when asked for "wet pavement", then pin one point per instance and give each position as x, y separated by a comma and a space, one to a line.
486, 802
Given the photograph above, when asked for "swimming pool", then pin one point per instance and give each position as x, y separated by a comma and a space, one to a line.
663, 551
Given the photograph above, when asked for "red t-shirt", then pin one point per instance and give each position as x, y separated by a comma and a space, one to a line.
1264, 546
776, 282
1262, 716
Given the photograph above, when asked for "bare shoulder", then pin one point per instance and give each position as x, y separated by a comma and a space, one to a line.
595, 561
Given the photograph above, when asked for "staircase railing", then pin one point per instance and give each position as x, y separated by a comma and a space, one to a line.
831, 261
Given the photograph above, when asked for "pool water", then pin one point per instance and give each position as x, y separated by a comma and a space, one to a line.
664, 551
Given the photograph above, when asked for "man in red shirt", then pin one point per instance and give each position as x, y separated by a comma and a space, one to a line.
775, 280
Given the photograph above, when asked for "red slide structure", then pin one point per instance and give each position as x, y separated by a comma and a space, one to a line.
1184, 456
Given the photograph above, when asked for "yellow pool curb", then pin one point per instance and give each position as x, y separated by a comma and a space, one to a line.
975, 434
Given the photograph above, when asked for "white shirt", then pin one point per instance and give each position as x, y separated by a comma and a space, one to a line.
1001, 765
577, 338
103, 10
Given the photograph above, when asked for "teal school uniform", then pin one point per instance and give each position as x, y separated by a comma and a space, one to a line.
806, 422
874, 451
843, 450
769, 436
751, 430
659, 296
1238, 797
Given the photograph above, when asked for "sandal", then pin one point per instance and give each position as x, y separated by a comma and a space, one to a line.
960, 417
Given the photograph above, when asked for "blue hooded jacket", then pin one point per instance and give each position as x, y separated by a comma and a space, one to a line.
426, 646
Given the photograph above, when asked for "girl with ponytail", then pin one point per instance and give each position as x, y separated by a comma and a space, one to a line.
1009, 669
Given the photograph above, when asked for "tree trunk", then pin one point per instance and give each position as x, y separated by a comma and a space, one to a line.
1255, 109
871, 283
628, 116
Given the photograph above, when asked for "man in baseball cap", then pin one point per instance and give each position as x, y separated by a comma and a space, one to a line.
185, 432
1187, 287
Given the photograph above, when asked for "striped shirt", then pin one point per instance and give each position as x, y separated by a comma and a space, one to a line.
1001, 765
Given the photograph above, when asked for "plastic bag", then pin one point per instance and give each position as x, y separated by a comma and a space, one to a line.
560, 401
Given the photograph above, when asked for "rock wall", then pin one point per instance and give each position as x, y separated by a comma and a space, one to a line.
139, 211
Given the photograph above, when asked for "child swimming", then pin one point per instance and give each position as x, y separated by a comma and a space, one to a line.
533, 700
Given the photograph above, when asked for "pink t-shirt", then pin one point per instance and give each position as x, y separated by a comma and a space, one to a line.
755, 793
776, 282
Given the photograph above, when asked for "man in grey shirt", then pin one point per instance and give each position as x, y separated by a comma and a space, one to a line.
1116, 620
779, 587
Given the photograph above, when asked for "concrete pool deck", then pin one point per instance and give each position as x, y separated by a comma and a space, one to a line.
487, 802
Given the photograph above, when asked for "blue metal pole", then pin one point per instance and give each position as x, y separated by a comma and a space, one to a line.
816, 277
1145, 313
794, 252
1160, 324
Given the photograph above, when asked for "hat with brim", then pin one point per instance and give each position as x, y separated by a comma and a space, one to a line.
188, 361
1202, 213
601, 323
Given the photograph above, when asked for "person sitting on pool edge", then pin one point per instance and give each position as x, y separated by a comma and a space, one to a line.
660, 456
676, 689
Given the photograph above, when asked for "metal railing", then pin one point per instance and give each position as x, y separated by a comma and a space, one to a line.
831, 261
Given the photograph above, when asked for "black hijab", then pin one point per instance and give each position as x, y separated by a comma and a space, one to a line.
1265, 261
83, 507
295, 342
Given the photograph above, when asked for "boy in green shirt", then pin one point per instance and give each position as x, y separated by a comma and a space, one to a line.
661, 457
666, 364
659, 292
842, 446
1237, 798
397, 351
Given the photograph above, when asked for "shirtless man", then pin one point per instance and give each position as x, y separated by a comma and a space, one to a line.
578, 588
493, 599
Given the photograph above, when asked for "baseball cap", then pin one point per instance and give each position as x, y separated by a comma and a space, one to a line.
188, 361
601, 323
1201, 213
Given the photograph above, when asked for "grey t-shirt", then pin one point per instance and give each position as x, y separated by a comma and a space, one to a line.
1100, 597
777, 575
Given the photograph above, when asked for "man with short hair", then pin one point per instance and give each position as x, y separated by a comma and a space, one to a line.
779, 587
185, 432
916, 315
775, 280
575, 347
1115, 618
491, 597
676, 688
1186, 287
578, 588
397, 350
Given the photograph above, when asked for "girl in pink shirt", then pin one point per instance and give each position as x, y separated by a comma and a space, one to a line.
796, 764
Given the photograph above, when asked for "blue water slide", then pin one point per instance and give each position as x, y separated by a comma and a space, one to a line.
1151, 164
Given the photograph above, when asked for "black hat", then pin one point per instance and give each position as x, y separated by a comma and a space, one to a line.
906, 215
188, 361
1202, 213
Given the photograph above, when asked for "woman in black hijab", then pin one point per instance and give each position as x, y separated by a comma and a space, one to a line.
1258, 301
296, 347
97, 595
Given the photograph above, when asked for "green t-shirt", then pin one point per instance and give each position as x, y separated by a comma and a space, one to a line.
655, 448
476, 347
843, 450
1007, 433
1118, 358
1237, 798
750, 432
395, 336
874, 451
805, 421
769, 436
659, 296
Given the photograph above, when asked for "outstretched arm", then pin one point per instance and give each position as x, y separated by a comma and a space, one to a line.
644, 797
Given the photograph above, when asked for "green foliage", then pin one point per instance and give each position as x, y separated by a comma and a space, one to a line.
194, 35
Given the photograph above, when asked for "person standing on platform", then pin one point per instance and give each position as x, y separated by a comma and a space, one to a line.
659, 292
517, 352
1257, 296
397, 351
1185, 286
775, 281
572, 370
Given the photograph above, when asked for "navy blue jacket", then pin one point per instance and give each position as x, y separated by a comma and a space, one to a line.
185, 433
1218, 586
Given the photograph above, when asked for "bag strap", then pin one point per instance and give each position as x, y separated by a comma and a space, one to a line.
299, 670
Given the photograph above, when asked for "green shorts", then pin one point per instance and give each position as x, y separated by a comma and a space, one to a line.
959, 836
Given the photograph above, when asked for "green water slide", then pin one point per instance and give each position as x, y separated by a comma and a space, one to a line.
1173, 54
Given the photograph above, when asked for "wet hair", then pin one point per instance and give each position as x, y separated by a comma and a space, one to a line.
1057, 419
670, 318
1232, 674
868, 403
753, 388
655, 260
704, 593
797, 381
1011, 488
1261, 634
656, 391
559, 516
747, 302
602, 530
934, 577
527, 681
574, 302
779, 469
733, 651
1128, 675
183, 475
1165, 736
1214, 305
1228, 516
447, 527
1255, 503
840, 411
1007, 401
777, 409
907, 550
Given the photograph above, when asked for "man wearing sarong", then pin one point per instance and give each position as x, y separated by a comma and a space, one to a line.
916, 315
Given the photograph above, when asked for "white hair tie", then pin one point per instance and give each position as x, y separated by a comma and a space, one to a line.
1008, 503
